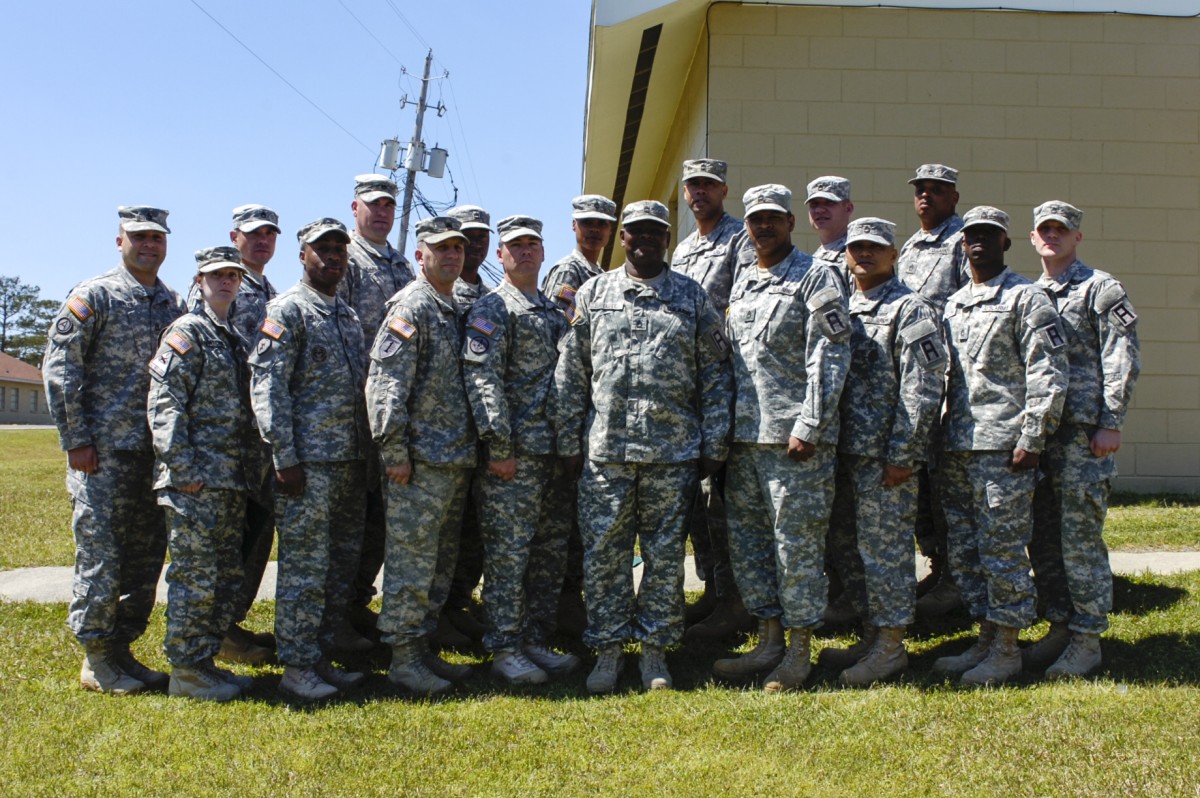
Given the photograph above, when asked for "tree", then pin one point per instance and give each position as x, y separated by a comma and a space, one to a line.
24, 320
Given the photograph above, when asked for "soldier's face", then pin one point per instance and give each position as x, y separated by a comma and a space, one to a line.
324, 263
442, 262
770, 231
934, 202
475, 250
985, 245
826, 214
870, 262
257, 247
1053, 240
705, 196
143, 251
592, 234
220, 287
374, 220
645, 242
522, 258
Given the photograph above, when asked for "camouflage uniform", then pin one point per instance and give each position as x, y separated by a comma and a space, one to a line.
565, 278
892, 395
834, 253
202, 429
646, 364
419, 415
508, 362
790, 334
96, 383
1005, 388
1070, 560
307, 390
466, 294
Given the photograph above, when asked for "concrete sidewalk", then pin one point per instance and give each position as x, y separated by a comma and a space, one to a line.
53, 584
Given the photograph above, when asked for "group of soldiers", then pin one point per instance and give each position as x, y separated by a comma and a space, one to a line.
801, 417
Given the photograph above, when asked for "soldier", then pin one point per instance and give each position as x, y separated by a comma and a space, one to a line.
1070, 560
791, 349
476, 224
307, 390
892, 395
829, 211
710, 256
422, 424
643, 377
932, 263
376, 272
203, 430
96, 383
508, 362
1004, 396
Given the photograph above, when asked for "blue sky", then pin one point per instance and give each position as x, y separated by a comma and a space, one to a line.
127, 102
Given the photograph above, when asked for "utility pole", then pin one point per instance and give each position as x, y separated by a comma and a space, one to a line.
415, 160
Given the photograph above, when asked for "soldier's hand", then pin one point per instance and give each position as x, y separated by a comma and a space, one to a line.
894, 475
505, 469
193, 487
1105, 442
1024, 461
400, 474
291, 480
83, 458
572, 465
800, 451
709, 466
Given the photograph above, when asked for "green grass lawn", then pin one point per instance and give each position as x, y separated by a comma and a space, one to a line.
1132, 731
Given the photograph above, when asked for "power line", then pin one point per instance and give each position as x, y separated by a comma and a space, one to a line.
370, 33
288, 83
408, 25
470, 164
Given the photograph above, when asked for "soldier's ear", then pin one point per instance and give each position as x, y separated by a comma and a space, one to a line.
1007, 242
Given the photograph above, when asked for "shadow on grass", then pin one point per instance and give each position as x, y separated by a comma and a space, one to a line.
1141, 597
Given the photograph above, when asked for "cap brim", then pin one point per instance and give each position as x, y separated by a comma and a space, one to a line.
766, 206
645, 217
371, 196
872, 238
437, 238
512, 235
474, 226
1054, 217
593, 215
225, 264
321, 232
718, 178
138, 227
981, 222
823, 195
916, 180
250, 227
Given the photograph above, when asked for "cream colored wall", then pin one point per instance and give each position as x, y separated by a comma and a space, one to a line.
687, 140
1099, 110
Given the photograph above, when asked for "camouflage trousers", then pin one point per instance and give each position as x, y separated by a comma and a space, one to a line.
989, 508
778, 519
871, 540
618, 504
258, 533
205, 571
120, 544
423, 521
524, 534
1070, 561
930, 523
374, 532
708, 526
320, 539
468, 566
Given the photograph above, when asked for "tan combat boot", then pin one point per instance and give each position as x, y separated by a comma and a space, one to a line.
845, 657
201, 682
603, 678
793, 671
154, 680
1048, 649
305, 683
956, 666
1002, 663
102, 674
729, 618
886, 659
410, 671
765, 656
1081, 657
655, 675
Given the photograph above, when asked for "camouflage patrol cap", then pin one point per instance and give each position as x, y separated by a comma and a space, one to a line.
1060, 211
830, 187
646, 211
212, 259
371, 187
936, 171
705, 167
135, 218
471, 217
322, 227
985, 214
437, 229
872, 228
513, 227
248, 218
594, 206
770, 197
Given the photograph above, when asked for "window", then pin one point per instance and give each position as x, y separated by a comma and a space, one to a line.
2, 398
33, 401
16, 399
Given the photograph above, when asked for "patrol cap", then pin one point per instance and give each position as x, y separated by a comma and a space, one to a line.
830, 187
1060, 211
313, 231
871, 228
705, 167
986, 214
248, 218
135, 218
471, 217
213, 259
936, 171
513, 227
594, 206
771, 197
437, 229
646, 211
372, 187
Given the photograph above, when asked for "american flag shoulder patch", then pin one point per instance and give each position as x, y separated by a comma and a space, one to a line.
483, 325
81, 309
402, 327
179, 343
273, 329
567, 293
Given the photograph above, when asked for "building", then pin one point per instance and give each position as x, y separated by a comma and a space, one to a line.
22, 396
1056, 101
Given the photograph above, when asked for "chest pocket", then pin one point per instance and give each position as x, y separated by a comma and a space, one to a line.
538, 345
987, 322
674, 324
772, 320
610, 330
870, 337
